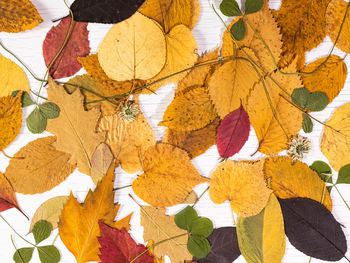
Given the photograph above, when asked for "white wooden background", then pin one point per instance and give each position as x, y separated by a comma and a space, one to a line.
28, 46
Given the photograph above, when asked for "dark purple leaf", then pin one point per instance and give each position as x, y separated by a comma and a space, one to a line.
224, 246
312, 229
233, 132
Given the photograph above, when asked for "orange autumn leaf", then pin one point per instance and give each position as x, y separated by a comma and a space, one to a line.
7, 195
168, 178
81, 238
18, 15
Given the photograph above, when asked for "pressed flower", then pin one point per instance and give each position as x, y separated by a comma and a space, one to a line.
298, 147
129, 111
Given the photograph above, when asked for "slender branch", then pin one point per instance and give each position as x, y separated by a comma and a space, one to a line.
200, 196
54, 240
336, 188
19, 253
122, 187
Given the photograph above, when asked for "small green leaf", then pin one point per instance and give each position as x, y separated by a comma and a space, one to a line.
307, 124
49, 254
253, 6
184, 218
198, 246
41, 230
201, 226
329, 188
50, 110
300, 97
23, 255
230, 8
238, 30
344, 175
36, 121
317, 101
26, 100
323, 170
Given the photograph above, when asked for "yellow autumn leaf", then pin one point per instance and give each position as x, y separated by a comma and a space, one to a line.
81, 238
12, 77
231, 83
128, 140
291, 179
181, 54
157, 227
101, 161
133, 49
168, 177
330, 78
10, 119
335, 140
302, 26
334, 18
194, 142
243, 184
49, 211
78, 137
190, 110
18, 15
261, 238
272, 139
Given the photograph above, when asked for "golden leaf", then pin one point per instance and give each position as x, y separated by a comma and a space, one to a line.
168, 178
18, 15
181, 54
330, 78
12, 77
81, 238
334, 17
271, 137
78, 137
231, 83
10, 119
190, 110
303, 27
101, 161
133, 49
291, 179
38, 167
128, 140
335, 140
194, 142
157, 227
243, 184
49, 211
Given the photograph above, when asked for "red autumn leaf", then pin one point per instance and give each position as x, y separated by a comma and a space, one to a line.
78, 45
233, 132
7, 195
117, 246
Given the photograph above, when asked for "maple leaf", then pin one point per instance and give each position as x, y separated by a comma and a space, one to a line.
118, 246
7, 195
10, 119
81, 239
168, 178
66, 63
140, 53
243, 184
78, 137
12, 77
128, 140
18, 15
38, 167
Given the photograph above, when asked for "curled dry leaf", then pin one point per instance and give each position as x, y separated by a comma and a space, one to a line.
291, 179
98, 205
128, 140
66, 63
334, 144
38, 167
12, 77
243, 184
18, 15
7, 195
101, 161
78, 137
168, 178
158, 226
49, 211
190, 110
330, 78
10, 119
133, 49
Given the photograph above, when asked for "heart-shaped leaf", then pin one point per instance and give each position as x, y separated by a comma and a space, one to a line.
49, 254
201, 226
50, 110
36, 121
253, 6
23, 255
238, 30
313, 101
344, 175
184, 218
230, 8
41, 231
198, 246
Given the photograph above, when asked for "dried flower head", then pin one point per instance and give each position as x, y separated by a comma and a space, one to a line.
129, 111
299, 146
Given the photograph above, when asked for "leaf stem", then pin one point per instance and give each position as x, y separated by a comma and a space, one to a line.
54, 240
19, 253
336, 188
199, 197
122, 187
